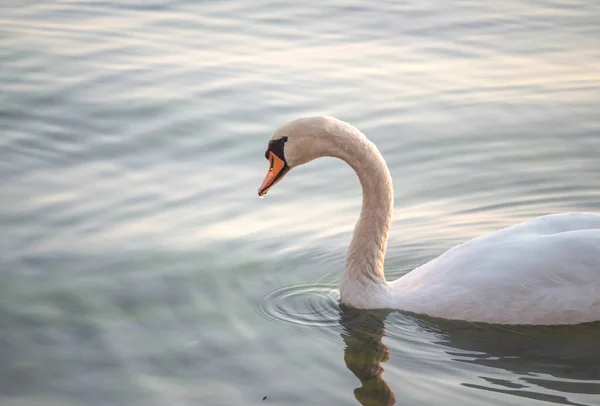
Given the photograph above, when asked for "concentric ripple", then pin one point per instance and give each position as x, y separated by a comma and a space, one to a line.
304, 305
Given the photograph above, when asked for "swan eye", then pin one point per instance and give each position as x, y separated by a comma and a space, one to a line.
276, 146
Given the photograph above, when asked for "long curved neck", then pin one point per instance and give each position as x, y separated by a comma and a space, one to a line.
364, 264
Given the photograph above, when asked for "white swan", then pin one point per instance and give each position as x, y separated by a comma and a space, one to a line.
543, 271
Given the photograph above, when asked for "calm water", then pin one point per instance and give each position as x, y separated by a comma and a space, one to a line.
138, 266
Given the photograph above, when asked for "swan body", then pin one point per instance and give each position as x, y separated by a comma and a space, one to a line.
543, 271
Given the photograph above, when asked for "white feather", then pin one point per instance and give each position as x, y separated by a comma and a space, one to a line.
543, 271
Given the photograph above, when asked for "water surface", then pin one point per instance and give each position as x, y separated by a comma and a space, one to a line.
138, 266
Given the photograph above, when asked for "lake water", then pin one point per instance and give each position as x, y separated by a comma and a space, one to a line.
139, 267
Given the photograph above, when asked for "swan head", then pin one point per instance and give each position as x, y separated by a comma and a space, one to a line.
298, 142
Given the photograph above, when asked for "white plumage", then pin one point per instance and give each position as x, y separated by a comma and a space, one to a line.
543, 271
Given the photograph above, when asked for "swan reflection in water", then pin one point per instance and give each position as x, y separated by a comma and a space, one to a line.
560, 359
362, 332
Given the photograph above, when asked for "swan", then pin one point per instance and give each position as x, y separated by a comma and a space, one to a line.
544, 271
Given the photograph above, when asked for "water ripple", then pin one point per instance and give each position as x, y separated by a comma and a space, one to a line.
131, 146
313, 305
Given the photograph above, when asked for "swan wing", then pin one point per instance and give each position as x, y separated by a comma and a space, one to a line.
543, 271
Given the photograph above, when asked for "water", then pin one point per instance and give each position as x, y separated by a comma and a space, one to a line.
138, 266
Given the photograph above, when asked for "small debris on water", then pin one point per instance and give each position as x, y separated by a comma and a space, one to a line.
265, 398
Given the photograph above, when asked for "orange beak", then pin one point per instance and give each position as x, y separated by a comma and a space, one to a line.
277, 170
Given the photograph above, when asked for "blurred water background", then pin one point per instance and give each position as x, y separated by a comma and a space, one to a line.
138, 266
